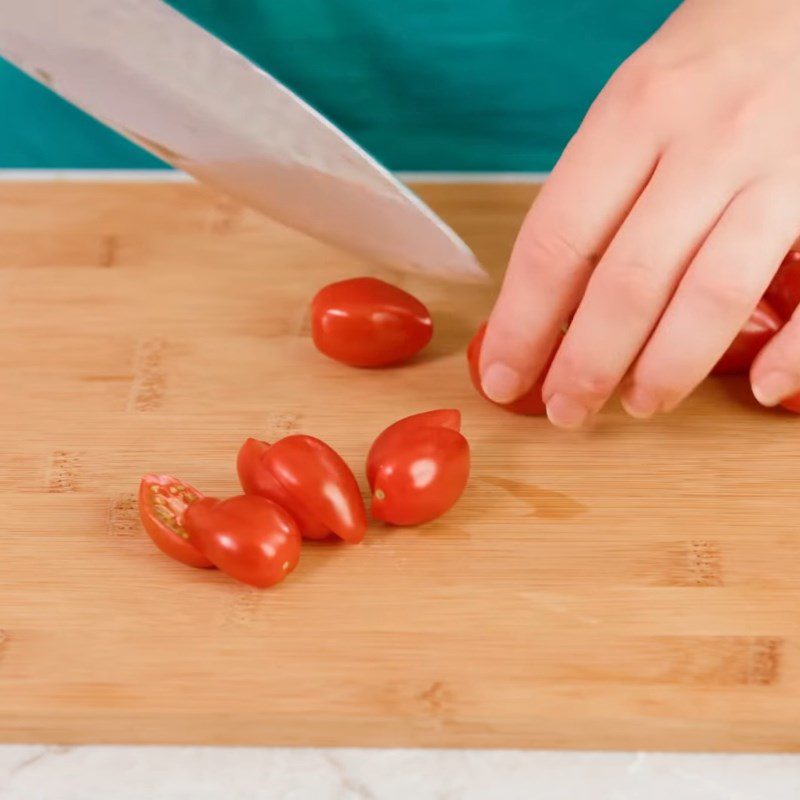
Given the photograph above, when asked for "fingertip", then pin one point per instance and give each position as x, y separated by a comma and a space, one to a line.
501, 382
769, 389
566, 412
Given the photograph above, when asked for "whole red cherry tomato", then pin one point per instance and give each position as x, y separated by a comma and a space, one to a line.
383, 447
763, 324
784, 291
366, 322
531, 403
249, 538
418, 468
311, 480
256, 478
163, 502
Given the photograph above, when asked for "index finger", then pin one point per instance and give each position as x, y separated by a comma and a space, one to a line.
587, 196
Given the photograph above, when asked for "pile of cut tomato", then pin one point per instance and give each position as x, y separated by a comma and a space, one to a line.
299, 488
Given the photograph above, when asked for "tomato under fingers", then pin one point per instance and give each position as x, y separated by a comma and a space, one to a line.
784, 291
531, 403
762, 325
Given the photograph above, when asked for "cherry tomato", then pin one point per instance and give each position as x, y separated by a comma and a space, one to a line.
366, 322
256, 478
763, 324
792, 404
531, 403
249, 538
418, 468
385, 444
163, 502
310, 480
784, 291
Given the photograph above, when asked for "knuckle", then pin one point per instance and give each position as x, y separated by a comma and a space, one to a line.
652, 377
723, 296
554, 246
555, 256
641, 85
585, 380
631, 287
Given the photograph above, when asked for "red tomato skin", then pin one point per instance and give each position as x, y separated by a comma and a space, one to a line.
366, 322
317, 479
162, 512
388, 440
784, 291
792, 404
763, 324
256, 478
421, 477
531, 403
249, 538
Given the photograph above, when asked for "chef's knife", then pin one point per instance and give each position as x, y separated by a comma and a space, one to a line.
147, 71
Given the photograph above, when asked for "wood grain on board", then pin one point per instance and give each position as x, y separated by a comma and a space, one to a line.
631, 586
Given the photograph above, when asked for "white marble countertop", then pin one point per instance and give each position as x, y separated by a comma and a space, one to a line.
33, 772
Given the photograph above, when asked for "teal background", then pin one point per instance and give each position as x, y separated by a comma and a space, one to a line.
421, 84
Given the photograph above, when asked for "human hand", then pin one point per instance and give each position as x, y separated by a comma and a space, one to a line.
662, 223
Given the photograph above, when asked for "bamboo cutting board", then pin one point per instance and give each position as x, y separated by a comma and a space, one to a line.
632, 586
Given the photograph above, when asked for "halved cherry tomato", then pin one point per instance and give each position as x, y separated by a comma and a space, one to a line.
249, 538
256, 478
163, 502
763, 324
311, 480
531, 403
784, 291
366, 322
418, 468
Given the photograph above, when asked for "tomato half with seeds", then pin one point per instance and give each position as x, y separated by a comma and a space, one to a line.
531, 403
418, 468
249, 538
366, 322
163, 503
763, 324
257, 478
311, 480
784, 291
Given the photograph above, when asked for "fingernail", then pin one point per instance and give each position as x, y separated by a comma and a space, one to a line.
501, 383
773, 387
640, 403
566, 412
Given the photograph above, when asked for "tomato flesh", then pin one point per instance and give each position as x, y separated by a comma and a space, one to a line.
249, 538
366, 322
417, 469
310, 480
784, 291
531, 403
163, 503
762, 325
256, 478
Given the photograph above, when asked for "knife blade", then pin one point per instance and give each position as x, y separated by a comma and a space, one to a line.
151, 74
